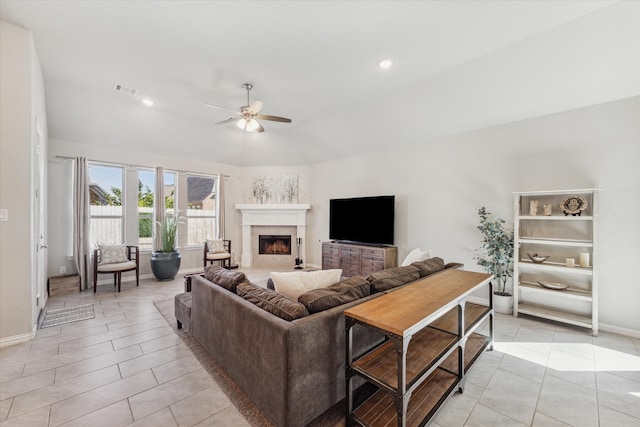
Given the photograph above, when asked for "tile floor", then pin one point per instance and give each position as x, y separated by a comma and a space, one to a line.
127, 367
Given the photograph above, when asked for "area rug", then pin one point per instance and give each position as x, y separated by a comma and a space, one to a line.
61, 316
334, 417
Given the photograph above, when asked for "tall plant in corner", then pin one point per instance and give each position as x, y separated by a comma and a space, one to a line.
496, 252
165, 264
169, 229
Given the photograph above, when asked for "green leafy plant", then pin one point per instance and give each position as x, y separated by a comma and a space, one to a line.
496, 252
168, 230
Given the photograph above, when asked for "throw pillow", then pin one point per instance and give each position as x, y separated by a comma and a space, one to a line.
271, 301
343, 292
112, 254
416, 255
295, 283
392, 278
216, 246
429, 266
223, 277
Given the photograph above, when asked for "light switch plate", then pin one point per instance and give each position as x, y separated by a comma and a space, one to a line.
4, 214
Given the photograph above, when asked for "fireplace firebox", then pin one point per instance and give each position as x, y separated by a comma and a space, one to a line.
274, 245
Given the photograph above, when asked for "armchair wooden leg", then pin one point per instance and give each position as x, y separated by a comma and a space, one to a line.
119, 280
95, 280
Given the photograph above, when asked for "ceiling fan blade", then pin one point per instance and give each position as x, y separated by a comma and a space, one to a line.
223, 108
256, 107
273, 118
229, 120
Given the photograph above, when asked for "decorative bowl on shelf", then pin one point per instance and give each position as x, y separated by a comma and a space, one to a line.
538, 259
554, 286
573, 205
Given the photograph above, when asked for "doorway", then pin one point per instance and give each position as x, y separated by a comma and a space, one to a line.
39, 227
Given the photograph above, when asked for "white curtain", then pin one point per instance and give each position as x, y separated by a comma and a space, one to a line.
158, 209
220, 220
81, 216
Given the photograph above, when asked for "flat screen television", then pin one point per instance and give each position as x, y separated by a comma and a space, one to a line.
365, 220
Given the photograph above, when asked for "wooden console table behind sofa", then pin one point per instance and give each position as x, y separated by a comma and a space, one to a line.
414, 381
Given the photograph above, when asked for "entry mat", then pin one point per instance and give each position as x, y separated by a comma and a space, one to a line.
67, 315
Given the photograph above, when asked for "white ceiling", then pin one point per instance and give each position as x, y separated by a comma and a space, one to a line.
460, 65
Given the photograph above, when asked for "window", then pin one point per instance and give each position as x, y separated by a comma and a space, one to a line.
170, 192
201, 209
146, 183
106, 198
146, 196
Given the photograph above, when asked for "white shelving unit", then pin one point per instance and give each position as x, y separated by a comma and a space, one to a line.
559, 237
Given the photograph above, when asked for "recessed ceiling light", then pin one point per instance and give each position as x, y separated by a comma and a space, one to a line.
385, 63
148, 102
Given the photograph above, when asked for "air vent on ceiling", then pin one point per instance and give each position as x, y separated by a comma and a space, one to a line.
121, 88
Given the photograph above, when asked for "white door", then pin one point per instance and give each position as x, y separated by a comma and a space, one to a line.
39, 229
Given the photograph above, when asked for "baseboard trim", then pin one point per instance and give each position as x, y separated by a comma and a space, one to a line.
478, 300
619, 330
17, 339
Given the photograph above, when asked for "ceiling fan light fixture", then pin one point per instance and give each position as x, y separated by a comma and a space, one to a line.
252, 125
248, 113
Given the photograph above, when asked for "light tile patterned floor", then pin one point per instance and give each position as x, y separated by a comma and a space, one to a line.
127, 367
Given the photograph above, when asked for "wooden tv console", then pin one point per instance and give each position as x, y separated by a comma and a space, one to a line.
358, 260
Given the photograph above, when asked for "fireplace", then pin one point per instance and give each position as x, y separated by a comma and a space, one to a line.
274, 245
273, 219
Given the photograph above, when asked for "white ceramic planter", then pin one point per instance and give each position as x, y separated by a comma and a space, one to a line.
503, 304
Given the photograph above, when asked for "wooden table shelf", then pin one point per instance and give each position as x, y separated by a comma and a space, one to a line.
431, 342
380, 409
425, 350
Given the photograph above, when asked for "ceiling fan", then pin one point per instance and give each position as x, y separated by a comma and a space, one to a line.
249, 113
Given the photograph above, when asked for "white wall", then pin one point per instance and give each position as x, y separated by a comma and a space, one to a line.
22, 101
439, 186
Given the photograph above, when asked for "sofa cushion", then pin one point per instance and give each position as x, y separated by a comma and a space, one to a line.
226, 278
429, 266
292, 284
343, 292
271, 301
416, 255
392, 278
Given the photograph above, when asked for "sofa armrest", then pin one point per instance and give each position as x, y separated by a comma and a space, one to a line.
456, 265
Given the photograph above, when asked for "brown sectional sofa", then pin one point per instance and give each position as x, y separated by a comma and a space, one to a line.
293, 370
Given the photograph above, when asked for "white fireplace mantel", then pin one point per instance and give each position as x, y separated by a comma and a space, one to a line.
271, 214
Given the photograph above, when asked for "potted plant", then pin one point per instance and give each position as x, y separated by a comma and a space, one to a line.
496, 256
166, 263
